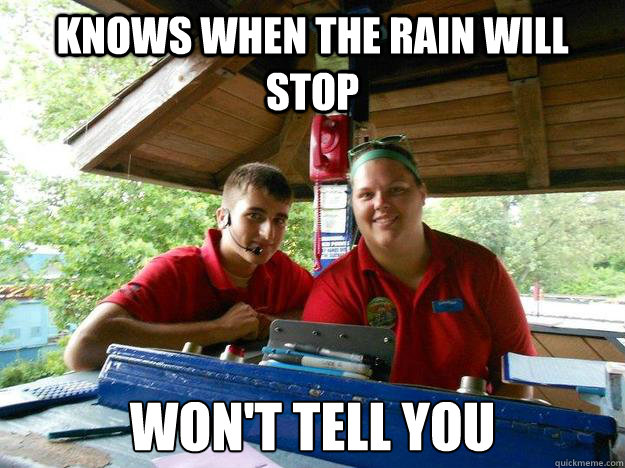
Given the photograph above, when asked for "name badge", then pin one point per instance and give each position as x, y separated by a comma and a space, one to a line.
381, 312
448, 305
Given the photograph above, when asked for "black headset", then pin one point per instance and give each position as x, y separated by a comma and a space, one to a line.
258, 250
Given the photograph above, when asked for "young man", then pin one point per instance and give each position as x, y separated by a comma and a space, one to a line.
228, 289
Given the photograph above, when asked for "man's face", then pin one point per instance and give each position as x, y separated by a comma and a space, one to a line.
256, 220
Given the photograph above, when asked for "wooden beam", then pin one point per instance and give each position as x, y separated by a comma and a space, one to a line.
108, 7
526, 93
283, 148
575, 180
292, 136
159, 99
150, 106
519, 66
162, 173
532, 135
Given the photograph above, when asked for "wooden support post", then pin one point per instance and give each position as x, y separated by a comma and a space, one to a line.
532, 135
527, 96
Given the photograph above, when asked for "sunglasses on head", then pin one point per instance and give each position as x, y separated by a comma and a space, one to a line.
377, 143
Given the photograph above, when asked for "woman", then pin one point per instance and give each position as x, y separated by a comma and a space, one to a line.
454, 309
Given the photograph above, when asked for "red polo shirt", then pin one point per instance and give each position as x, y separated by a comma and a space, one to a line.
189, 284
464, 315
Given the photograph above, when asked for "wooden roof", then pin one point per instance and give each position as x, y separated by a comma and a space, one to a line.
478, 124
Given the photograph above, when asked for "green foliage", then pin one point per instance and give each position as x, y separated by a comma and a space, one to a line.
571, 243
298, 241
67, 91
27, 371
595, 282
106, 230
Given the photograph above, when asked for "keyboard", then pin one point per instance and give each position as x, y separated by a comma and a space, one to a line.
16, 402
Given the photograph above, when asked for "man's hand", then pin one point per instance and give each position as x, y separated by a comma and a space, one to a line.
266, 319
241, 321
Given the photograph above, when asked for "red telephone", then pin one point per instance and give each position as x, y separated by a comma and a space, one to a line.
329, 142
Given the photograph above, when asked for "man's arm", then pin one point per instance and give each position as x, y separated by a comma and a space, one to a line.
110, 323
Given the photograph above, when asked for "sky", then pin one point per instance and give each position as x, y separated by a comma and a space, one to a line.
16, 121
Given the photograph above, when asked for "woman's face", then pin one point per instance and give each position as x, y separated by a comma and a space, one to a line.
387, 203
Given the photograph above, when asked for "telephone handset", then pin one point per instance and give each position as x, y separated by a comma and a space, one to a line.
329, 142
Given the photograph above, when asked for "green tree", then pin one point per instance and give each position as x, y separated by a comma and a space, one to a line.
571, 242
66, 91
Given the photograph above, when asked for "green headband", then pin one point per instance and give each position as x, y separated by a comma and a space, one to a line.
384, 153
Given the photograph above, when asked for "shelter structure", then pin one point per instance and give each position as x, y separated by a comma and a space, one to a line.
479, 124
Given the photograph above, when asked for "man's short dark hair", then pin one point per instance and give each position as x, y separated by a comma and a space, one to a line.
259, 176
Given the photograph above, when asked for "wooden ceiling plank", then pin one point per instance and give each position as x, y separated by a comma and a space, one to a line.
245, 88
156, 179
260, 153
588, 161
585, 91
161, 173
587, 145
449, 7
466, 156
440, 92
585, 111
481, 105
586, 129
185, 145
461, 126
583, 69
168, 155
463, 142
473, 168
587, 180
239, 108
225, 123
195, 130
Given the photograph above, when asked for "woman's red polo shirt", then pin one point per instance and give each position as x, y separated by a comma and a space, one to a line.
464, 315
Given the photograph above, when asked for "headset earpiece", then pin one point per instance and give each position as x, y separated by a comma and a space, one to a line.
258, 250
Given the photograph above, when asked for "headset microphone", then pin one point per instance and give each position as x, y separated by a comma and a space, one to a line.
258, 250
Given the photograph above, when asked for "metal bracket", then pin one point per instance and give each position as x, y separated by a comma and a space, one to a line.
375, 341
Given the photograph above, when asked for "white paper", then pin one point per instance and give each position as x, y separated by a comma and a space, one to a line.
556, 371
333, 221
332, 196
247, 458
